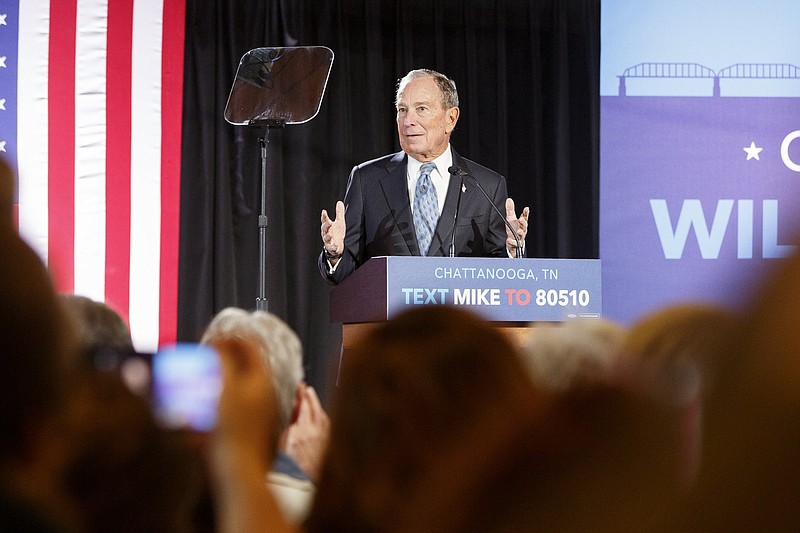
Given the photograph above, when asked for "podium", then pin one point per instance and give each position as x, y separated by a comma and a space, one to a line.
512, 293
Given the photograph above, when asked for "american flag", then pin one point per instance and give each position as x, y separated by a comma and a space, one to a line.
90, 116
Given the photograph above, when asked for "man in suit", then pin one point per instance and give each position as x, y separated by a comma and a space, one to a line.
398, 204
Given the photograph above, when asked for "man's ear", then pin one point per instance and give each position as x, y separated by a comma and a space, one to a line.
452, 117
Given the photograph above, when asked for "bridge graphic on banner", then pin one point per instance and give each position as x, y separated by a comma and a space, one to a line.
761, 71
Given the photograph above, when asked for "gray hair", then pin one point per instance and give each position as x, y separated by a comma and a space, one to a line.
279, 347
572, 354
446, 86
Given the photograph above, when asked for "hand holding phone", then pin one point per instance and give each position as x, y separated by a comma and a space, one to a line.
241, 452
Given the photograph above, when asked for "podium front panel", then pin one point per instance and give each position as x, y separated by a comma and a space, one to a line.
499, 289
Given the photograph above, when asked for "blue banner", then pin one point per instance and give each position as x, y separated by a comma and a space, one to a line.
700, 150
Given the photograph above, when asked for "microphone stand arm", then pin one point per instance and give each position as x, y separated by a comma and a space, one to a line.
461, 172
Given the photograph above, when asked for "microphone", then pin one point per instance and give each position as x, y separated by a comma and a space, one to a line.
456, 171
455, 215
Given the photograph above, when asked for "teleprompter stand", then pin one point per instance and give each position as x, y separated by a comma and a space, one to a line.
275, 87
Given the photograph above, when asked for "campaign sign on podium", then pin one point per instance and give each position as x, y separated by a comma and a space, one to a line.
499, 289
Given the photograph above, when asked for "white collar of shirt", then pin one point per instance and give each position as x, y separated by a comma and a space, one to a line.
440, 177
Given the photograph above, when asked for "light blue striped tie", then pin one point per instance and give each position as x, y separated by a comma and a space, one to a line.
426, 208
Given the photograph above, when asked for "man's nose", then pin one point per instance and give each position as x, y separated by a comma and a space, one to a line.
410, 118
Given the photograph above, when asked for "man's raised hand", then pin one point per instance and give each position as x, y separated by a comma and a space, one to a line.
333, 233
520, 226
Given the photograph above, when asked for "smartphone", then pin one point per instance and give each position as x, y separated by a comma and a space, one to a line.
185, 387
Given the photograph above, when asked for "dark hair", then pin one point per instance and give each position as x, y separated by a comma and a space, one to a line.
410, 391
35, 343
124, 472
99, 326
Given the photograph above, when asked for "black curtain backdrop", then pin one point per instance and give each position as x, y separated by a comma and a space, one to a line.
527, 73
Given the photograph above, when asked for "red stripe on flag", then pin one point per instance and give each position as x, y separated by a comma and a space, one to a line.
61, 143
171, 124
118, 153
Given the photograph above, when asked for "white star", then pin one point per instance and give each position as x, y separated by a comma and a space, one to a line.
2, 146
752, 151
3, 19
2, 61
2, 104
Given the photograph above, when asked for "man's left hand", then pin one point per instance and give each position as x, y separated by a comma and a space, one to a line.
520, 226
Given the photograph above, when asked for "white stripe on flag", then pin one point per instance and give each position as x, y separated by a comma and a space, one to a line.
145, 174
40, 192
90, 148
34, 38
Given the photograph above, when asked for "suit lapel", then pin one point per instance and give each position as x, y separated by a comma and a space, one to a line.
395, 190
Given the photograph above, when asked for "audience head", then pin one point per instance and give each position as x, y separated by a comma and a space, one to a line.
99, 326
36, 344
605, 456
279, 346
124, 472
599, 457
678, 344
750, 474
38, 353
410, 392
683, 337
562, 356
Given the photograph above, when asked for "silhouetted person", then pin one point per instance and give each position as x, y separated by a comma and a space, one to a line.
682, 341
38, 351
411, 393
749, 477
124, 472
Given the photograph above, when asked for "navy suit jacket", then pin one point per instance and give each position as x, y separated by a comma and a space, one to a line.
379, 220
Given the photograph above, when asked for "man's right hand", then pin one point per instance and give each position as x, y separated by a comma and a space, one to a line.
333, 233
